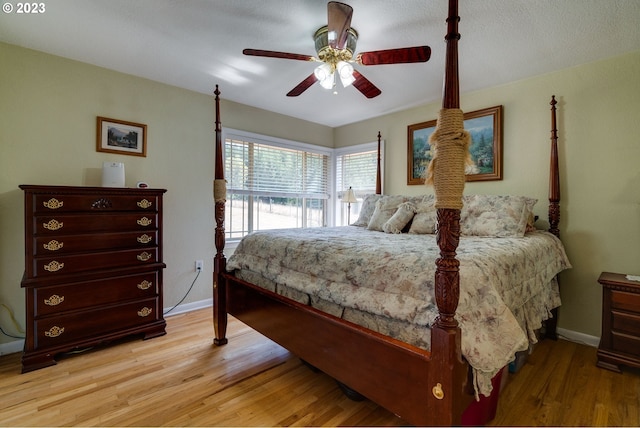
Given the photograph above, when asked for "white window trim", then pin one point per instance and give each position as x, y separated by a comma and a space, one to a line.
341, 151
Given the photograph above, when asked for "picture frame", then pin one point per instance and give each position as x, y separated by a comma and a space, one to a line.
121, 137
485, 127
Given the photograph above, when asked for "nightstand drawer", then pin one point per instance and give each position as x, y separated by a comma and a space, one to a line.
626, 343
625, 301
67, 297
625, 322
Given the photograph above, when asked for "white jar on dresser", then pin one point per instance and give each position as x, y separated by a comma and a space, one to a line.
93, 268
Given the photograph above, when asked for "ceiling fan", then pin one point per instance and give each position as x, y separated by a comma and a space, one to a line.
335, 46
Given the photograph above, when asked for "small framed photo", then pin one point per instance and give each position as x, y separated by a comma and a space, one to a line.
121, 137
485, 127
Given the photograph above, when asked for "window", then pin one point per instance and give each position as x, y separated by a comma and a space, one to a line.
356, 167
274, 184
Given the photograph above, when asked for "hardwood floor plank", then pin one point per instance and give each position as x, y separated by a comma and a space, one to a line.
182, 379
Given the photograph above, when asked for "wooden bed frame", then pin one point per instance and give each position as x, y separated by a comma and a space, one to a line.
422, 387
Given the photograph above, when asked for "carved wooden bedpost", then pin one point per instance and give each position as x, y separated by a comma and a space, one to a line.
554, 208
219, 260
554, 179
446, 334
378, 171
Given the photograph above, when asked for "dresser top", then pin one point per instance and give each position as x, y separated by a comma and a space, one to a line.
84, 189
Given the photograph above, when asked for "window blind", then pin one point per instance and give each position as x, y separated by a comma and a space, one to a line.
264, 170
357, 170
274, 184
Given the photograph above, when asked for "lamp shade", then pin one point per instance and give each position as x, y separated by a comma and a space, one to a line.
325, 75
345, 71
349, 196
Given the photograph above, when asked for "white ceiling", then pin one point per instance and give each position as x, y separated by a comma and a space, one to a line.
196, 44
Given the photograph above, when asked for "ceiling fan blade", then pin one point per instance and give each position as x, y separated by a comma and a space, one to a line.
363, 84
274, 54
338, 22
395, 56
303, 86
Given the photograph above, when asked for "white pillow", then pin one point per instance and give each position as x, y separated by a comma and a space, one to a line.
400, 218
495, 215
425, 219
366, 211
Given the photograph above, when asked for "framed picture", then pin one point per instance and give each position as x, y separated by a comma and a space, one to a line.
485, 127
118, 136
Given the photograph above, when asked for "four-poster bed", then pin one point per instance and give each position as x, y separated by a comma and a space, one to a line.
424, 387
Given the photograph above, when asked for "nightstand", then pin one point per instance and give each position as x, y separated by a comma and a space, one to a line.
620, 341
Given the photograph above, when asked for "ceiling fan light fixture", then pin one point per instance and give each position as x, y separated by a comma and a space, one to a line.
345, 71
325, 75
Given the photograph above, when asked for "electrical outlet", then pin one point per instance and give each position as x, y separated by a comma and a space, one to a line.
199, 265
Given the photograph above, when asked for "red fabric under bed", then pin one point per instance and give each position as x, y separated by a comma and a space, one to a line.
481, 412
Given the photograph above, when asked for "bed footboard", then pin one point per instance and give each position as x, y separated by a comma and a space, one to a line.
400, 377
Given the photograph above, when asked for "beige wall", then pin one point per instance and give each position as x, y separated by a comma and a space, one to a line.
48, 107
599, 144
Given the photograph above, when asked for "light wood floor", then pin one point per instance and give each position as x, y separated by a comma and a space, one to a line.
181, 379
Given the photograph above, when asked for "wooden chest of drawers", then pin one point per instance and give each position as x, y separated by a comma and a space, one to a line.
93, 268
620, 341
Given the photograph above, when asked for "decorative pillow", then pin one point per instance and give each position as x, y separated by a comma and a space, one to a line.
366, 211
531, 223
381, 215
495, 215
424, 222
400, 219
385, 208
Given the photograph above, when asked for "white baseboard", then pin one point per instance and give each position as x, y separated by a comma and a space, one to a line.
576, 336
11, 347
188, 307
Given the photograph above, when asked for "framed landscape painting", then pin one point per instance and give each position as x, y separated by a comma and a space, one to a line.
119, 136
485, 127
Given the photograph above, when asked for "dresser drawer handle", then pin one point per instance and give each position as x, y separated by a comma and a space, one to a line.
144, 221
54, 266
143, 257
144, 312
54, 300
53, 245
53, 204
144, 204
54, 331
144, 239
145, 285
53, 225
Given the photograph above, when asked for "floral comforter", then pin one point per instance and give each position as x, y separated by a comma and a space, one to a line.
507, 285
